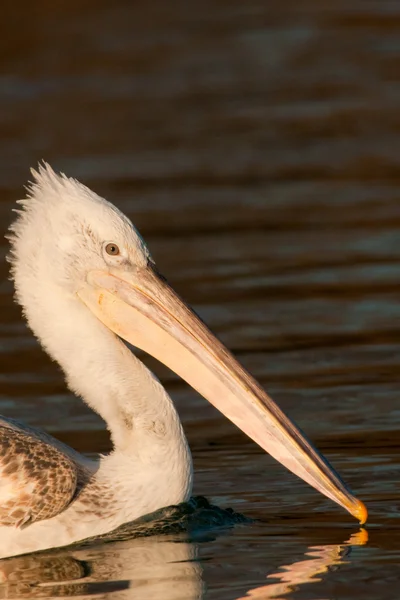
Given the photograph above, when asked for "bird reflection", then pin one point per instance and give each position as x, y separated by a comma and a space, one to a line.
154, 567
318, 560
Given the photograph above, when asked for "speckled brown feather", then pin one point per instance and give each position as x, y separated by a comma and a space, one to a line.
37, 479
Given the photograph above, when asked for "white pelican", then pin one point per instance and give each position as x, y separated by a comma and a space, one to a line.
86, 281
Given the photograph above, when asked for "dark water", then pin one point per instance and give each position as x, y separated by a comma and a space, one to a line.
256, 146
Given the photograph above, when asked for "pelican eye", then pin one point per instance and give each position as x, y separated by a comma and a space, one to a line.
112, 249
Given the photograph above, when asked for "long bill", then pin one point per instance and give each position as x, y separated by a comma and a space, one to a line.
144, 310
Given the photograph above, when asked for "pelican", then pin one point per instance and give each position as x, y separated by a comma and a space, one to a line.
89, 289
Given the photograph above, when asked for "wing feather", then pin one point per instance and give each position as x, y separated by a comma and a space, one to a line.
37, 478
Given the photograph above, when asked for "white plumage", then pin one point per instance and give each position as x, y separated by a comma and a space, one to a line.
83, 274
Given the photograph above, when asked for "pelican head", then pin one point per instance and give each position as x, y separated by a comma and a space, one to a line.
87, 254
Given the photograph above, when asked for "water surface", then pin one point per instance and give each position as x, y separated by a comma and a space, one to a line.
256, 146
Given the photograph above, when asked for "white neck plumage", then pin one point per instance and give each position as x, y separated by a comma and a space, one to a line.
107, 375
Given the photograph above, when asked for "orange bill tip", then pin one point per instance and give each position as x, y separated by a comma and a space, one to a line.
360, 512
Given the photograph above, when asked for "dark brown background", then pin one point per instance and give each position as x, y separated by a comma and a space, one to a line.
256, 146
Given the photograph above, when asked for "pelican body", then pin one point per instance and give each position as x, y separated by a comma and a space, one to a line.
87, 284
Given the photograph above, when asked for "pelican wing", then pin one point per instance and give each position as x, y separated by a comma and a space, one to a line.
37, 477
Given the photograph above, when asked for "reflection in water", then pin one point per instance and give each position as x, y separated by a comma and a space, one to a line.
320, 559
155, 567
